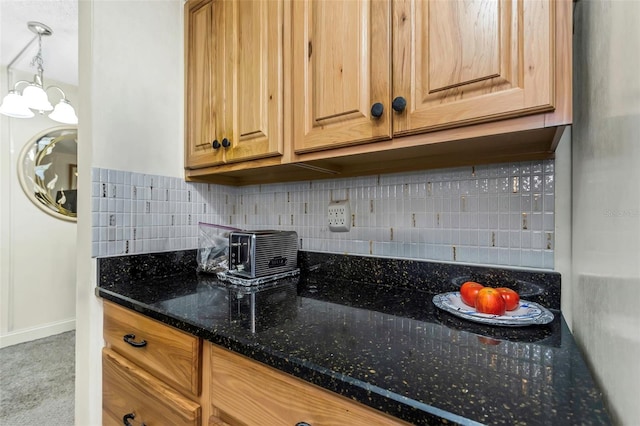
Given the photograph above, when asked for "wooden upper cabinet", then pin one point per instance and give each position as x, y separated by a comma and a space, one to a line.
234, 84
202, 85
341, 67
452, 63
254, 79
334, 85
462, 62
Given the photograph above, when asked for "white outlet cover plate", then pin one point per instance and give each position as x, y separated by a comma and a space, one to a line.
339, 216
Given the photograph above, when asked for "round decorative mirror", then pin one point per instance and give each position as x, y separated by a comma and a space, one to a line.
48, 171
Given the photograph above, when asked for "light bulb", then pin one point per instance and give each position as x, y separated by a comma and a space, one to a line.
36, 98
64, 113
14, 105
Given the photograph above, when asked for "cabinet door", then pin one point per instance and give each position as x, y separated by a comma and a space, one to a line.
460, 62
130, 393
253, 64
341, 67
245, 392
203, 83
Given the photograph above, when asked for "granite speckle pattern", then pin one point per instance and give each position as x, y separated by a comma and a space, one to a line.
370, 332
144, 266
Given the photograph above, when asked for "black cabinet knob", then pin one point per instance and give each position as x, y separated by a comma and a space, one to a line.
303, 424
376, 110
226, 143
399, 104
216, 144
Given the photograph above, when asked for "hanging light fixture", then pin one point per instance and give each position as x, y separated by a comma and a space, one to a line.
34, 95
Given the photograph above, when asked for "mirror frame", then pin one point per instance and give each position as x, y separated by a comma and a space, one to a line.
27, 188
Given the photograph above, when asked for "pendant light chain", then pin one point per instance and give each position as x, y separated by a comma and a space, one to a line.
37, 60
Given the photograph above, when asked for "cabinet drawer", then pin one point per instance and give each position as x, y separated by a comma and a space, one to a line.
128, 391
169, 354
245, 392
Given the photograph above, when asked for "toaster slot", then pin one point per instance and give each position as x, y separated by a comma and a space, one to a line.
240, 250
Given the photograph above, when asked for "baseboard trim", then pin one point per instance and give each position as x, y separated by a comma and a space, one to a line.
29, 334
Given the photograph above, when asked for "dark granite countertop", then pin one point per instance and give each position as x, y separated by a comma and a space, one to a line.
367, 329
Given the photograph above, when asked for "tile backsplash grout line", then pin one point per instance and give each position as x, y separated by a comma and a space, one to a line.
500, 214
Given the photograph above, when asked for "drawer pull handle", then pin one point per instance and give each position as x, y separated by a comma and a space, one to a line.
303, 424
129, 339
127, 417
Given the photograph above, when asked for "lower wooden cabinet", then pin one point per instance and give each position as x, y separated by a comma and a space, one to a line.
169, 377
130, 395
150, 371
245, 392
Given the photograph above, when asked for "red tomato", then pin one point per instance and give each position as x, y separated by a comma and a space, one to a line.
511, 298
469, 291
490, 301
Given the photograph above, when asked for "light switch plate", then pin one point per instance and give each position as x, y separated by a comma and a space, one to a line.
339, 216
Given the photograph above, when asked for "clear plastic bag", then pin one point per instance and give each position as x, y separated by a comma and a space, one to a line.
213, 247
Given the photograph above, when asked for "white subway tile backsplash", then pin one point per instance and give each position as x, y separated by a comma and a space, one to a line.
497, 214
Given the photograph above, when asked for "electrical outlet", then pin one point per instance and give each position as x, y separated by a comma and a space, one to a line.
339, 217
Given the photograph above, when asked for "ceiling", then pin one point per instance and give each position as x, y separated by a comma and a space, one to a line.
59, 50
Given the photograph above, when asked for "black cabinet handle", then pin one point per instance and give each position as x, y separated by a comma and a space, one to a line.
129, 339
215, 144
376, 110
226, 143
302, 424
127, 417
399, 104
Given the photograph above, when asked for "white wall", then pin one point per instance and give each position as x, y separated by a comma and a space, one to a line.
131, 92
137, 71
37, 261
562, 223
606, 198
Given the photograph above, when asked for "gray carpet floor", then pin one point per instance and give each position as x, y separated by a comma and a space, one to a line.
37, 382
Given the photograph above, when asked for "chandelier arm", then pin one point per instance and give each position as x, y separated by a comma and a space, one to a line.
64, 96
15, 86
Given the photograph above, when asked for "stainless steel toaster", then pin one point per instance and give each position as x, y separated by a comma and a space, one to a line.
254, 254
